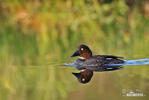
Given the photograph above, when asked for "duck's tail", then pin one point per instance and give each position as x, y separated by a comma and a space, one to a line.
133, 62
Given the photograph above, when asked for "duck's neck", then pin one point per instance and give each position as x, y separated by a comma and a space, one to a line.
86, 55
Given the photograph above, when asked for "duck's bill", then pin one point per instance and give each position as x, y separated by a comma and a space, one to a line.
75, 54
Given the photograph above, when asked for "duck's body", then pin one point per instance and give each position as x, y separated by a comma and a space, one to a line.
98, 63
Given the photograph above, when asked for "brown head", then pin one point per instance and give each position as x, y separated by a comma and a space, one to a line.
83, 51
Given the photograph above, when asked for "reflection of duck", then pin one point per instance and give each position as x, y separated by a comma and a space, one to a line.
84, 76
88, 63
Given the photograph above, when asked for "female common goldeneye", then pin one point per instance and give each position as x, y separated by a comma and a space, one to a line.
88, 63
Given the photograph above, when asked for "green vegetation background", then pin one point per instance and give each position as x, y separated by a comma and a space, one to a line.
40, 32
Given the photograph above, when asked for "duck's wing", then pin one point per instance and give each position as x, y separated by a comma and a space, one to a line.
111, 56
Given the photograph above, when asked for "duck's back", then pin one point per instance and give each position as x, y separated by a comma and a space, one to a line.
99, 63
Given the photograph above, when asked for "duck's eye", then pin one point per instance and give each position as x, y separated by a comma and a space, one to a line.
82, 49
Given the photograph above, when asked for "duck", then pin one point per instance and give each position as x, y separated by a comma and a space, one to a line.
88, 63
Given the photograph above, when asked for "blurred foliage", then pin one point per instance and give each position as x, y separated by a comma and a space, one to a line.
33, 29
33, 32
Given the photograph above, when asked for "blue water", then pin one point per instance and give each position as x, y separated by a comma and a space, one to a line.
69, 64
127, 62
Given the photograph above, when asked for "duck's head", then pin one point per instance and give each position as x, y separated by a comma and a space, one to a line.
84, 76
83, 51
